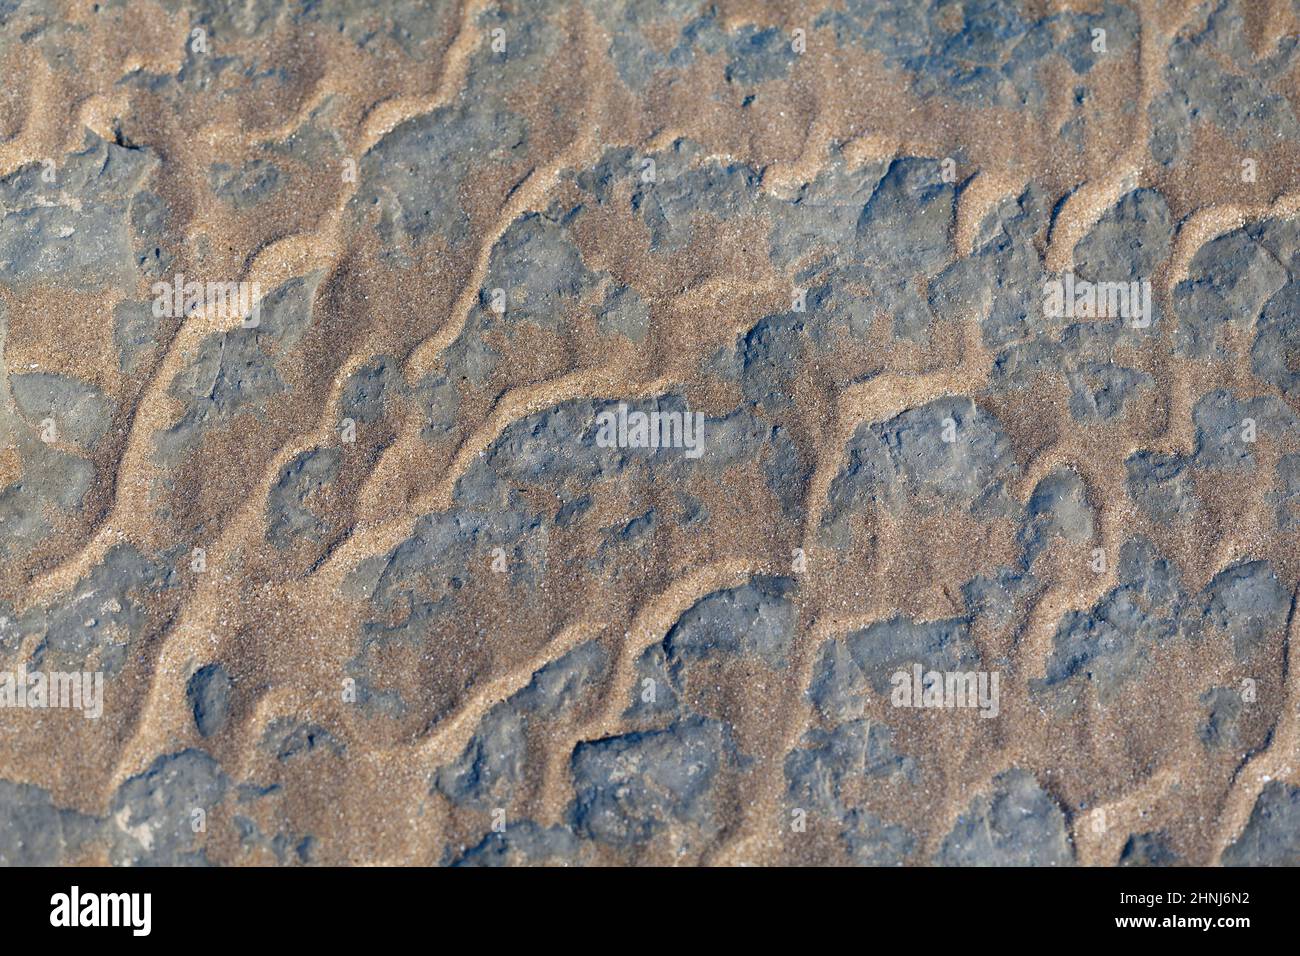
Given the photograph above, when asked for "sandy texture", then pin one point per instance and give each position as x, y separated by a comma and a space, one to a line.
363, 583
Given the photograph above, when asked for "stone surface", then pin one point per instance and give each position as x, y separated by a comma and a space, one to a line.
371, 578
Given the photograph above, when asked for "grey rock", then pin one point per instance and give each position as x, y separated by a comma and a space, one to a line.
756, 618
288, 739
1287, 495
1245, 603
235, 370
995, 596
524, 844
1057, 508
1098, 392
871, 841
822, 217
287, 848
632, 788
980, 51
1228, 282
682, 191
1221, 429
247, 186
208, 693
624, 313
410, 180
76, 229
1129, 242
905, 224
1015, 823
540, 270
369, 389
1215, 76
34, 832
557, 686
152, 814
999, 285
1111, 642
881, 649
636, 27
135, 333
105, 612
654, 694
908, 455
816, 771
153, 248
52, 479
81, 412
1272, 834
838, 687
492, 765
1275, 355
486, 774
1162, 486
759, 55
290, 515
1220, 728
1148, 849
